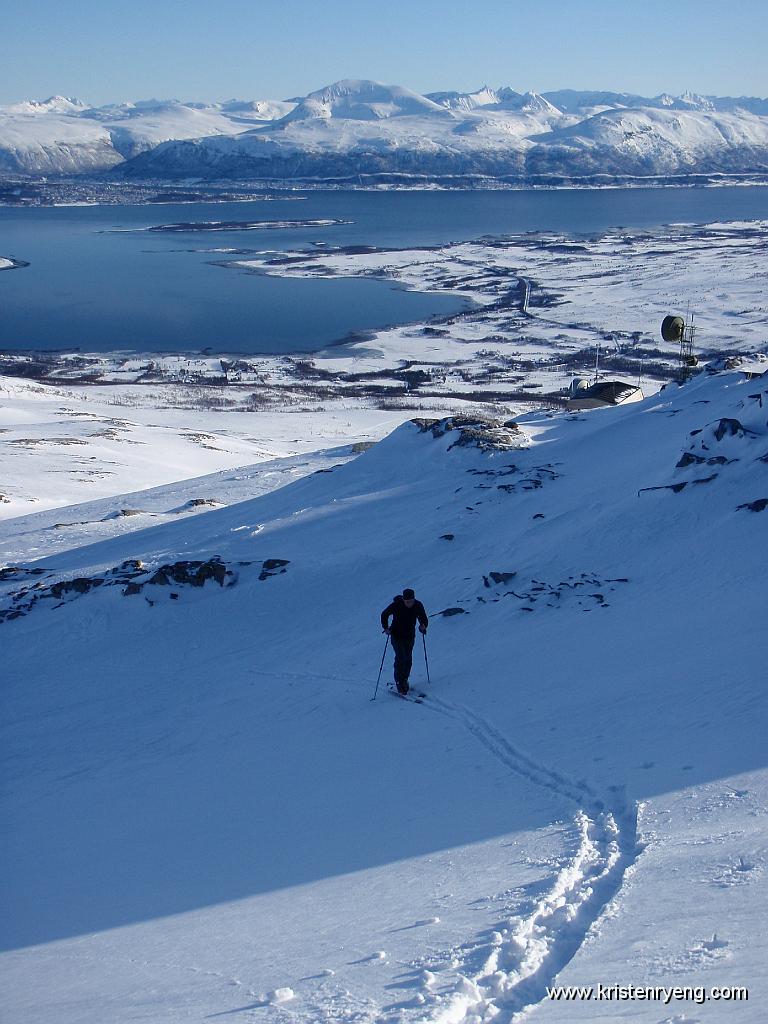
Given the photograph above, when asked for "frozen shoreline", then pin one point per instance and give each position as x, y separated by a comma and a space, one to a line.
540, 305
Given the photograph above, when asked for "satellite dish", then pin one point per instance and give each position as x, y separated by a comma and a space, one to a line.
672, 328
682, 331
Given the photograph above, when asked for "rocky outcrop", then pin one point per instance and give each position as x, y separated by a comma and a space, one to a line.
132, 576
474, 431
722, 444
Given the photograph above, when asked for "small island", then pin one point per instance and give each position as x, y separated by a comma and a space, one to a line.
247, 225
9, 263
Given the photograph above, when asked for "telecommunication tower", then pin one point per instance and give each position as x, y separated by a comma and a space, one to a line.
675, 328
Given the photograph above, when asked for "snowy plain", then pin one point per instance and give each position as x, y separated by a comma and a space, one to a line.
211, 818
61, 447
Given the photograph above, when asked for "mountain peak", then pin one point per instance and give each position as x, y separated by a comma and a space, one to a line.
362, 100
53, 105
528, 102
482, 97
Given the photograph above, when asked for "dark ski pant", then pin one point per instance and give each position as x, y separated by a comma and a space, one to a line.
403, 648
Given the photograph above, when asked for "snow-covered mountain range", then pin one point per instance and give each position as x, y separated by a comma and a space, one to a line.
359, 127
206, 816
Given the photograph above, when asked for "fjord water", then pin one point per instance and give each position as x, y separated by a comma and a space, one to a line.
98, 282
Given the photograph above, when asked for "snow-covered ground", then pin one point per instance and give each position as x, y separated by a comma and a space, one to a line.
613, 291
210, 819
61, 447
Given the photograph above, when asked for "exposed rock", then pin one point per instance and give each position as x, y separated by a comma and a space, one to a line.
689, 459
272, 567
759, 505
210, 570
446, 536
17, 570
197, 503
486, 434
502, 577
447, 612
81, 585
675, 488
191, 573
130, 565
132, 575
9, 572
729, 428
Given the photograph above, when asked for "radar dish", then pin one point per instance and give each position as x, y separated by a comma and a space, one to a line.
672, 328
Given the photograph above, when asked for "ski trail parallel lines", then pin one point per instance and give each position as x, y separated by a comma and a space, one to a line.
526, 957
519, 762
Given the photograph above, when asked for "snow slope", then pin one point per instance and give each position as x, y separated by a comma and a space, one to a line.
649, 141
210, 818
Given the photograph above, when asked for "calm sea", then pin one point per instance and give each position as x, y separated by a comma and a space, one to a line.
95, 288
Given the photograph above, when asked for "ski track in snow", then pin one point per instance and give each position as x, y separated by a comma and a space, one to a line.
519, 961
523, 959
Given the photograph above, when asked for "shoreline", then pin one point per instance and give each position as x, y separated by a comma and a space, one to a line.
535, 309
98, 192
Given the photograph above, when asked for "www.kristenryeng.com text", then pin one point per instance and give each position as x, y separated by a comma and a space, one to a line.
648, 993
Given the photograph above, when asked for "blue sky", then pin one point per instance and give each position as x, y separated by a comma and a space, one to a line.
218, 49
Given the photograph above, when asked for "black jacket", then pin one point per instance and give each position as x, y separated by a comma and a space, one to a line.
404, 619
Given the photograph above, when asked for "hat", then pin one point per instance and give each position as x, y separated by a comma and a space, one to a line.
408, 595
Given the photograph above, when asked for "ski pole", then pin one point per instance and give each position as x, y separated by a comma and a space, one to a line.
426, 659
381, 666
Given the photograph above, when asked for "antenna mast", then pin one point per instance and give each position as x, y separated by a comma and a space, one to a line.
683, 331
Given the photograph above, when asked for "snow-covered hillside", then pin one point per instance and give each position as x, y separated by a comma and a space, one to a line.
361, 127
66, 136
210, 818
650, 141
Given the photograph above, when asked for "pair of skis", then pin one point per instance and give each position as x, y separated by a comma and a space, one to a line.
413, 695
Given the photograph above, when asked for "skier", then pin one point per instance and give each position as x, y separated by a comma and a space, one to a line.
405, 611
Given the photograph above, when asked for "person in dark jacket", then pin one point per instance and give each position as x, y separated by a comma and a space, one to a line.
405, 611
